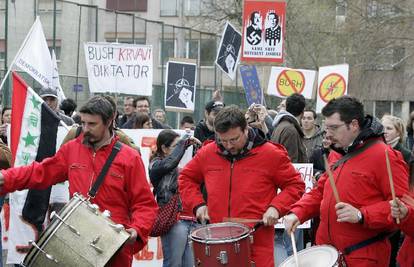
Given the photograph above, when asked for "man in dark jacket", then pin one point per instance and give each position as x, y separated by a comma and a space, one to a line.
204, 129
143, 105
288, 133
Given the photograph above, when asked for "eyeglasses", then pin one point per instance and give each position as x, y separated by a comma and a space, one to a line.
334, 127
231, 141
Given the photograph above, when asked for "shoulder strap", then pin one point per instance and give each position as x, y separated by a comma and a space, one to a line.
94, 189
358, 151
78, 131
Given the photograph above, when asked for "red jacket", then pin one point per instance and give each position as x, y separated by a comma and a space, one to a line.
363, 182
125, 191
243, 188
405, 256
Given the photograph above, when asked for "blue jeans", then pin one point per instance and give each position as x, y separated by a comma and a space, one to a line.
175, 246
283, 245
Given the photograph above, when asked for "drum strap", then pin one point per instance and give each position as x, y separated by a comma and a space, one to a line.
367, 242
94, 189
349, 155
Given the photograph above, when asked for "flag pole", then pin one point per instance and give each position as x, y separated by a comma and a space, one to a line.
17, 54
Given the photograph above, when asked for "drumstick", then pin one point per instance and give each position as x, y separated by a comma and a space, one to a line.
387, 160
295, 251
331, 179
241, 220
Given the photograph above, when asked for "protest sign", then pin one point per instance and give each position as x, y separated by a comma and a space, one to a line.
251, 84
229, 51
284, 82
180, 86
332, 83
263, 31
119, 68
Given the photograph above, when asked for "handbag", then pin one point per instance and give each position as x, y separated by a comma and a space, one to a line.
167, 216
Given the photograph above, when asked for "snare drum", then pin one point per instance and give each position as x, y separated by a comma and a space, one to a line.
316, 256
222, 244
79, 236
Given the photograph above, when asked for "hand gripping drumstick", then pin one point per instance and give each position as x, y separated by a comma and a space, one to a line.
295, 251
387, 160
331, 179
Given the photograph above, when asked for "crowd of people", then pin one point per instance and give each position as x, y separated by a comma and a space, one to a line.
242, 167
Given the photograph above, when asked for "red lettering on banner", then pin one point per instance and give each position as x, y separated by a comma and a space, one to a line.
129, 54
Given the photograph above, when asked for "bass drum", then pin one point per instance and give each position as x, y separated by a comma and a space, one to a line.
316, 256
80, 236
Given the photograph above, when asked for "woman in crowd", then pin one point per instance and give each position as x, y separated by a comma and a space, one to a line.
142, 121
394, 133
5, 121
163, 172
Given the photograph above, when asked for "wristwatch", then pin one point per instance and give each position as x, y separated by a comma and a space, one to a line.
360, 217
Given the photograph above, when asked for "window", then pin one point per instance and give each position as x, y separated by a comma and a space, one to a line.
192, 49
381, 108
378, 9
208, 49
2, 5
192, 7
127, 5
169, 8
341, 8
58, 44
2, 49
126, 40
47, 5
167, 50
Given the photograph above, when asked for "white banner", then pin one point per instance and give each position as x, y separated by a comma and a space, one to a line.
332, 83
34, 57
306, 172
119, 68
285, 81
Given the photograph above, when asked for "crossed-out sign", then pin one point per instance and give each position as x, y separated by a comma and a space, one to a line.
332, 86
289, 82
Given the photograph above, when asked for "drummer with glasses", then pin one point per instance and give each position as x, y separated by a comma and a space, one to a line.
357, 225
242, 172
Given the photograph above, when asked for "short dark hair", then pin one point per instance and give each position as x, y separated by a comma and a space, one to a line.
134, 101
349, 108
252, 16
186, 119
228, 118
140, 119
295, 104
140, 98
165, 137
98, 105
68, 106
313, 112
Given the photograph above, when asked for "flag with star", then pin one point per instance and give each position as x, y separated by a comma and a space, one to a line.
32, 138
33, 126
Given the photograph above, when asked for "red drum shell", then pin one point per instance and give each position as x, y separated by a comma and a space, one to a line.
222, 244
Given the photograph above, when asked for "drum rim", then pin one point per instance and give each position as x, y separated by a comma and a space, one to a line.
224, 239
329, 247
70, 209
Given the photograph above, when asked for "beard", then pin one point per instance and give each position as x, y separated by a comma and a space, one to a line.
89, 139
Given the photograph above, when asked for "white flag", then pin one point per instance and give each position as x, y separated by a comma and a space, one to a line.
34, 57
55, 79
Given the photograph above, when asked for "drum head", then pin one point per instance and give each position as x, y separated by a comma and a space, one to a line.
316, 256
219, 232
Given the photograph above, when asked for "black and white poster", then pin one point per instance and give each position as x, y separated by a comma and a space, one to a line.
229, 50
180, 86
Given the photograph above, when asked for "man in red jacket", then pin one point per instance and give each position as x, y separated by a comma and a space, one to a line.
242, 173
125, 191
357, 226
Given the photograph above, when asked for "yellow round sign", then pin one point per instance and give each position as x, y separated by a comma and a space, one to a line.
332, 86
289, 82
